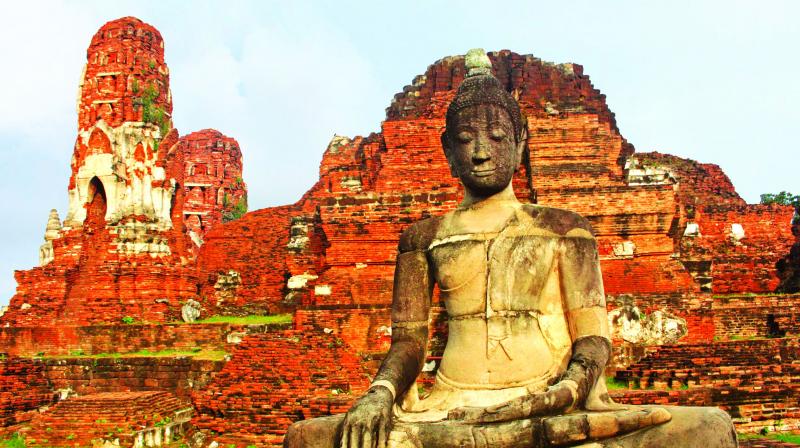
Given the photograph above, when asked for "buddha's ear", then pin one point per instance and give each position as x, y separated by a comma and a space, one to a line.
522, 144
446, 147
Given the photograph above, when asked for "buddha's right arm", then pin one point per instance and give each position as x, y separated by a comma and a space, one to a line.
410, 305
369, 419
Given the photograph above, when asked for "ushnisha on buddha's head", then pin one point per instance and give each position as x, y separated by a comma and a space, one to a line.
486, 132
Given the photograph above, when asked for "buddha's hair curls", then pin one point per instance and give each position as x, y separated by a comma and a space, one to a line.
481, 87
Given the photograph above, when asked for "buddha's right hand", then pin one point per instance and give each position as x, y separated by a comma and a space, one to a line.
554, 401
368, 423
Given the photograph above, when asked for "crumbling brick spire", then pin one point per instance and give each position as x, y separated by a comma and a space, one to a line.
215, 190
122, 251
124, 113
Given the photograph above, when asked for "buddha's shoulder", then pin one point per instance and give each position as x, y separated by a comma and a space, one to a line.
559, 221
420, 235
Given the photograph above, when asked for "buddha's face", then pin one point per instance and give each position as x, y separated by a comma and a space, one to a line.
481, 148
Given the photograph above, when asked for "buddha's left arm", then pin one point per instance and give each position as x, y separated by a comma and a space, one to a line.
585, 308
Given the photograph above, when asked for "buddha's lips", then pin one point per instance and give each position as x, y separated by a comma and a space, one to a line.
483, 173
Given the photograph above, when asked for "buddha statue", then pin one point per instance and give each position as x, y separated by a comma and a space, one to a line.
528, 336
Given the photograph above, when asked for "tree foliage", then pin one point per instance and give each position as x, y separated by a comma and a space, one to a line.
784, 198
237, 211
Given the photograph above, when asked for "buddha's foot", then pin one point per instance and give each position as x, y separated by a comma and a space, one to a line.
587, 426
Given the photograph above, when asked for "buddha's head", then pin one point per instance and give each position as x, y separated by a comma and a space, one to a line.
486, 132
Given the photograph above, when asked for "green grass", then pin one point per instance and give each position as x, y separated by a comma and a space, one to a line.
742, 295
16, 441
738, 337
779, 436
247, 320
198, 353
786, 438
615, 384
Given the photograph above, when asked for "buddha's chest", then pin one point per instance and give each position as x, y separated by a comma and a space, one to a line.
494, 273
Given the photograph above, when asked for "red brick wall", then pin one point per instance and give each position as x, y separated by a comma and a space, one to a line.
23, 389
696, 308
91, 420
745, 316
85, 376
128, 49
275, 379
753, 380
69, 340
254, 246
748, 265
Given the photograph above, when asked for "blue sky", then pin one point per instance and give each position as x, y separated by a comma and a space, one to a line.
713, 81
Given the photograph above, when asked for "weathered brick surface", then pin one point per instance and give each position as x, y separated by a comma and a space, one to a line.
23, 390
697, 309
254, 248
123, 57
699, 184
371, 188
753, 380
213, 179
747, 264
688, 397
275, 379
83, 376
746, 316
91, 340
110, 416
763, 442
30, 386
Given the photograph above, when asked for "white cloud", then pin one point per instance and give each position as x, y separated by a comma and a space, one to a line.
37, 72
282, 98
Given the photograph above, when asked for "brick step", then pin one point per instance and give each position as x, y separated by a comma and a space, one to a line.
773, 373
127, 416
730, 357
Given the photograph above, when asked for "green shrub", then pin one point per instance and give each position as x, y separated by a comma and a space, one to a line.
237, 211
16, 441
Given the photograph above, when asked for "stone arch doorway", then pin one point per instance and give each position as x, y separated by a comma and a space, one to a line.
96, 206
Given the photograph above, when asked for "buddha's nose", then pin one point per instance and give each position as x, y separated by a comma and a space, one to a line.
480, 154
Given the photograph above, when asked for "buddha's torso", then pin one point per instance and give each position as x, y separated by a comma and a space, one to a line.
500, 284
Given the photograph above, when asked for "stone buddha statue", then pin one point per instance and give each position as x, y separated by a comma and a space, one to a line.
528, 333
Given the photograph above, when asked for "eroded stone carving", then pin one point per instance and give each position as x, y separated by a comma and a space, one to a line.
528, 334
630, 324
692, 229
298, 234
226, 286
646, 174
299, 281
737, 233
235, 337
190, 310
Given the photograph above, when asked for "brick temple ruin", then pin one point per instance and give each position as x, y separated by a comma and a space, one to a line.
701, 286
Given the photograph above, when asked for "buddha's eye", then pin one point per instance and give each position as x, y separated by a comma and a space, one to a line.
464, 137
498, 134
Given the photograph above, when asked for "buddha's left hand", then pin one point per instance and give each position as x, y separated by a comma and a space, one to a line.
555, 400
